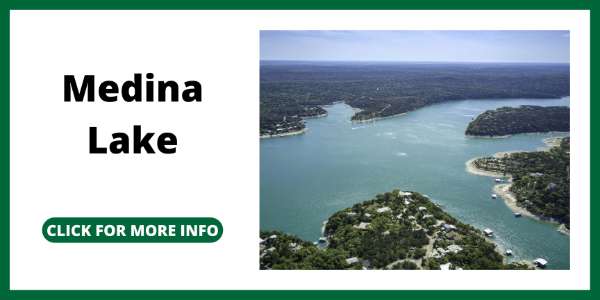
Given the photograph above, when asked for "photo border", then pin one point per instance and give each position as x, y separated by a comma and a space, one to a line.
8, 5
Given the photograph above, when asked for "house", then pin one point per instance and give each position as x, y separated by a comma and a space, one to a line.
422, 208
454, 248
351, 213
445, 267
427, 216
352, 260
383, 209
368, 215
362, 225
448, 227
273, 237
488, 232
404, 194
399, 216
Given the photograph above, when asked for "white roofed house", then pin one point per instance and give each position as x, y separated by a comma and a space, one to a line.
404, 194
352, 260
383, 209
362, 225
454, 248
448, 227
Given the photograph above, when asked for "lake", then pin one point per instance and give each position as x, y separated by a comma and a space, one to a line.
306, 178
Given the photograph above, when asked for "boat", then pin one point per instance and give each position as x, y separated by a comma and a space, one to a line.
498, 180
509, 252
540, 262
517, 215
494, 196
488, 232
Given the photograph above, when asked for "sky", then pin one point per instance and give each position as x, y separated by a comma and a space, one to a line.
542, 46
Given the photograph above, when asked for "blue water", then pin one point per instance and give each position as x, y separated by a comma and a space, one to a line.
306, 178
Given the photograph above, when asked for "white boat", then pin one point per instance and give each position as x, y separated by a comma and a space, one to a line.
498, 180
488, 232
540, 262
517, 215
494, 196
509, 252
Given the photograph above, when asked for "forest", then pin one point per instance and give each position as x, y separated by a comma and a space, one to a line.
524, 119
300, 89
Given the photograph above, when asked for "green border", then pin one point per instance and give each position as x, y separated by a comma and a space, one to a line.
8, 5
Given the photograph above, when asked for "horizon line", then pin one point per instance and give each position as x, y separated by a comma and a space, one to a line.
414, 61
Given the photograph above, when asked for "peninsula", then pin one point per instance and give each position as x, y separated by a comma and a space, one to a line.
538, 184
524, 119
395, 230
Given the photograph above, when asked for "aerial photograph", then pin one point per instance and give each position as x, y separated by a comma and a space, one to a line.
414, 150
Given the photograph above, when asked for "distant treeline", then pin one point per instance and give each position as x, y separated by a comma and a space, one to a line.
385, 89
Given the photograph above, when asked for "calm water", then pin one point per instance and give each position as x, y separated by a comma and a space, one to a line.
306, 178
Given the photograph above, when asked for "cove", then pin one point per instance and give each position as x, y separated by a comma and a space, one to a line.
337, 163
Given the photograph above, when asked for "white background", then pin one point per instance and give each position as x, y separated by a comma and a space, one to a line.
216, 169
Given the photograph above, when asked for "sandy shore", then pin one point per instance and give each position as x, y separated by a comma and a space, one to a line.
471, 168
283, 134
552, 142
487, 136
378, 118
503, 190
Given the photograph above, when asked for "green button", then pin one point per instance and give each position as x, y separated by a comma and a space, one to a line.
132, 230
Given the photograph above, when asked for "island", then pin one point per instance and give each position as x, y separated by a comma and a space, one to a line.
293, 91
395, 230
524, 119
537, 184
